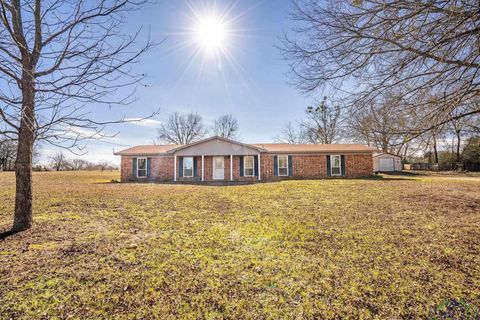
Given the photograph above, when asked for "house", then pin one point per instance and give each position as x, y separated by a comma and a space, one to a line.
220, 159
386, 162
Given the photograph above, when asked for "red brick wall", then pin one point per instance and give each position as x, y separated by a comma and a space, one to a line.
304, 167
358, 165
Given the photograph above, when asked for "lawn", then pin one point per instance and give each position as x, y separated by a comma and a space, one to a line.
397, 247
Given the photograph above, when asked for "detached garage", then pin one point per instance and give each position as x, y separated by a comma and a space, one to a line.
386, 162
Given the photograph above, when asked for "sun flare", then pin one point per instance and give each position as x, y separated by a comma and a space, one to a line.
211, 33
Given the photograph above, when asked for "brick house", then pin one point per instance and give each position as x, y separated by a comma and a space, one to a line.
220, 159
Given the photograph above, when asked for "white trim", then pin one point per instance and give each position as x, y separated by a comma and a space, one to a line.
223, 168
331, 165
278, 165
203, 171
175, 168
231, 167
253, 167
259, 166
146, 169
183, 165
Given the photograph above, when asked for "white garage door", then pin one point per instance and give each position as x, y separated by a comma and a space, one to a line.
386, 164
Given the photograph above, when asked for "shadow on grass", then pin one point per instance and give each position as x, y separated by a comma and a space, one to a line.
375, 177
7, 234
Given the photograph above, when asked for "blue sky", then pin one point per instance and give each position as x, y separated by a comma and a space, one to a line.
253, 88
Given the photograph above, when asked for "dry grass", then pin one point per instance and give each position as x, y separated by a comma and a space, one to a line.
397, 247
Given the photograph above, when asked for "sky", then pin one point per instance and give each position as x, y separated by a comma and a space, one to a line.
246, 78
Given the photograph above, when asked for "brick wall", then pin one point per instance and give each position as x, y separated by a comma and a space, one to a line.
358, 165
304, 167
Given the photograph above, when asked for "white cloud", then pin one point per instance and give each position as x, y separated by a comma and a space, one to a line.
143, 122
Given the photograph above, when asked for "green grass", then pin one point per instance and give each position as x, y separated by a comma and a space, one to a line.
397, 247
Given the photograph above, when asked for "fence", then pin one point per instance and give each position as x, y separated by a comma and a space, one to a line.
467, 166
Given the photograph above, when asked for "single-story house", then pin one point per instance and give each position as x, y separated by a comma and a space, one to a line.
386, 162
220, 159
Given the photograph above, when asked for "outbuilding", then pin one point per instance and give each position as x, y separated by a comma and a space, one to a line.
386, 162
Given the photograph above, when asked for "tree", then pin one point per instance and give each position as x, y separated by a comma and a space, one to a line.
323, 125
471, 152
292, 135
182, 128
104, 164
56, 57
8, 153
369, 47
59, 161
226, 126
79, 164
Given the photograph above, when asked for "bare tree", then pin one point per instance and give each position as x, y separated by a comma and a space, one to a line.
8, 153
369, 47
55, 57
104, 164
323, 125
226, 126
78, 164
59, 161
182, 128
292, 134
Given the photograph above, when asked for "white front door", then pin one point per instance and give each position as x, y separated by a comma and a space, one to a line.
218, 168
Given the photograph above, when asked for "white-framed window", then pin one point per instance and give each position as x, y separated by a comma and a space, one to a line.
248, 166
335, 165
141, 167
283, 165
188, 167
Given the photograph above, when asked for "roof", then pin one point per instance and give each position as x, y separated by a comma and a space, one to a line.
146, 150
379, 154
262, 147
302, 148
216, 138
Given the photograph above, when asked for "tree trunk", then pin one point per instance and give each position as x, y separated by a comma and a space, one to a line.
435, 151
458, 145
23, 164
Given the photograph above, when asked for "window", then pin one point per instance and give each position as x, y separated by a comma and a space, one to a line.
336, 166
283, 165
188, 167
248, 166
141, 167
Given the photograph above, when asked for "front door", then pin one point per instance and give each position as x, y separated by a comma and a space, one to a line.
218, 168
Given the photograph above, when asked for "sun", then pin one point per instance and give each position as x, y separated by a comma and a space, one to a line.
211, 33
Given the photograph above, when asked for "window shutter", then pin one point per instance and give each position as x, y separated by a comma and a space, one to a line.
275, 166
329, 171
180, 166
342, 164
241, 165
255, 165
148, 167
195, 167
134, 167
290, 166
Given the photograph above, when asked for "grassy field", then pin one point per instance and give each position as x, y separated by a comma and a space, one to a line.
397, 247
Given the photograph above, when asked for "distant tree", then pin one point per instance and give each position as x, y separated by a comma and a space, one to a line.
8, 153
471, 151
292, 134
182, 128
375, 46
78, 164
55, 58
226, 126
104, 164
59, 161
323, 124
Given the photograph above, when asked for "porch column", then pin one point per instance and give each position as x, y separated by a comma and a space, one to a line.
259, 168
174, 168
231, 167
203, 161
